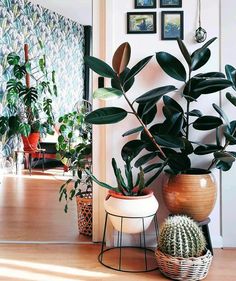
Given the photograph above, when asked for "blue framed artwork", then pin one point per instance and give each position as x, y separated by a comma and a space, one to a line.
172, 25
144, 4
170, 3
141, 22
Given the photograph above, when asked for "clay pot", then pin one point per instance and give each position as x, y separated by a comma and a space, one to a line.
31, 142
192, 194
132, 209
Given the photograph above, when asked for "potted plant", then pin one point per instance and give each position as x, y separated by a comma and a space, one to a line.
181, 253
169, 144
129, 199
74, 151
28, 105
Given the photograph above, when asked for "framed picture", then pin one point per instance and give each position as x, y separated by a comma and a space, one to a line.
141, 22
172, 25
144, 4
170, 3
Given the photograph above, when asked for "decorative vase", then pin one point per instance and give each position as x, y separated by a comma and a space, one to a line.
192, 194
31, 142
134, 213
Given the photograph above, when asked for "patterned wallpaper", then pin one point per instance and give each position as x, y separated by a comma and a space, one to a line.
23, 22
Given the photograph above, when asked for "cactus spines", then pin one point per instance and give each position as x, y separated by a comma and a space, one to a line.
180, 236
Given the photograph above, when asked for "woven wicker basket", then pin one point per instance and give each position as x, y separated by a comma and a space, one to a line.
188, 269
85, 214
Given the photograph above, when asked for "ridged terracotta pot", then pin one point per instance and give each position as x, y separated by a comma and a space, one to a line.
192, 194
31, 142
131, 209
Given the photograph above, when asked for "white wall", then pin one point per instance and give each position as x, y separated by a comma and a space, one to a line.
228, 56
77, 10
147, 44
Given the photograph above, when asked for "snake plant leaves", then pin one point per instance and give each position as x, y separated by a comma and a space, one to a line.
13, 59
221, 113
151, 167
121, 58
207, 149
133, 131
147, 112
106, 115
171, 65
184, 51
231, 98
102, 184
137, 68
131, 149
149, 181
200, 58
207, 122
145, 158
107, 94
231, 74
24, 129
155, 94
100, 67
212, 85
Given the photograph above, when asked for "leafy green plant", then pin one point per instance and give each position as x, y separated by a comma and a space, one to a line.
127, 187
181, 237
168, 144
27, 101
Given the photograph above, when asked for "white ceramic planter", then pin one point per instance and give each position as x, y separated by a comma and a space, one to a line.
134, 207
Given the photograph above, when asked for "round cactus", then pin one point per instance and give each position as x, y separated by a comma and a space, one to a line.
180, 236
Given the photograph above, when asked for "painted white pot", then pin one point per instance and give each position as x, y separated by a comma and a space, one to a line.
132, 209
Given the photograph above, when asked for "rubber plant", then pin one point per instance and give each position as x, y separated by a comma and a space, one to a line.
168, 144
27, 101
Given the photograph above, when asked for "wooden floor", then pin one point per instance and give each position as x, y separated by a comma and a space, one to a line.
79, 262
30, 210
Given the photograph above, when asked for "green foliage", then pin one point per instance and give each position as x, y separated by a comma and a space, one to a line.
181, 237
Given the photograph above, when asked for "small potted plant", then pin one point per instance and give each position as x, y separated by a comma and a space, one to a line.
169, 144
27, 102
181, 253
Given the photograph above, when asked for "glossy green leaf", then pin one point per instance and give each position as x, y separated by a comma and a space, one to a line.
195, 112
223, 166
100, 67
3, 124
152, 167
171, 103
102, 184
121, 57
221, 113
231, 74
145, 158
28, 67
155, 94
231, 139
18, 71
179, 162
169, 141
200, 58
210, 75
147, 112
212, 85
207, 149
107, 94
133, 131
131, 149
231, 98
13, 59
206, 123
106, 115
150, 180
24, 129
224, 157
184, 51
137, 68
171, 65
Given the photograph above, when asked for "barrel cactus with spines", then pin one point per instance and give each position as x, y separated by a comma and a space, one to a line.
180, 236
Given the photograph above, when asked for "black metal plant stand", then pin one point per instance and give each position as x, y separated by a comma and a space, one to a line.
120, 247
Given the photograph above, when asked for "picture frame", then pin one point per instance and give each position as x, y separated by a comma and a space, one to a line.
170, 3
141, 22
145, 4
172, 25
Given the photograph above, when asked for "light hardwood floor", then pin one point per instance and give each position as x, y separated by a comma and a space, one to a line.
30, 210
79, 262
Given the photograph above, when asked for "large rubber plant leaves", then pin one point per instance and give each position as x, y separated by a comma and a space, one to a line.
106, 115
206, 123
107, 93
184, 51
231, 98
100, 67
121, 58
231, 74
171, 65
211, 85
131, 149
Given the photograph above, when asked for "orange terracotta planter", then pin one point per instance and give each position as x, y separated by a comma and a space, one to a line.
190, 194
31, 142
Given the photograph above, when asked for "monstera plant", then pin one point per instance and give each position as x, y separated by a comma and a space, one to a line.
27, 101
169, 144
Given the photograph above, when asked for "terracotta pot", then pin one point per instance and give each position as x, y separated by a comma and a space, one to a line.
132, 209
192, 194
31, 142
